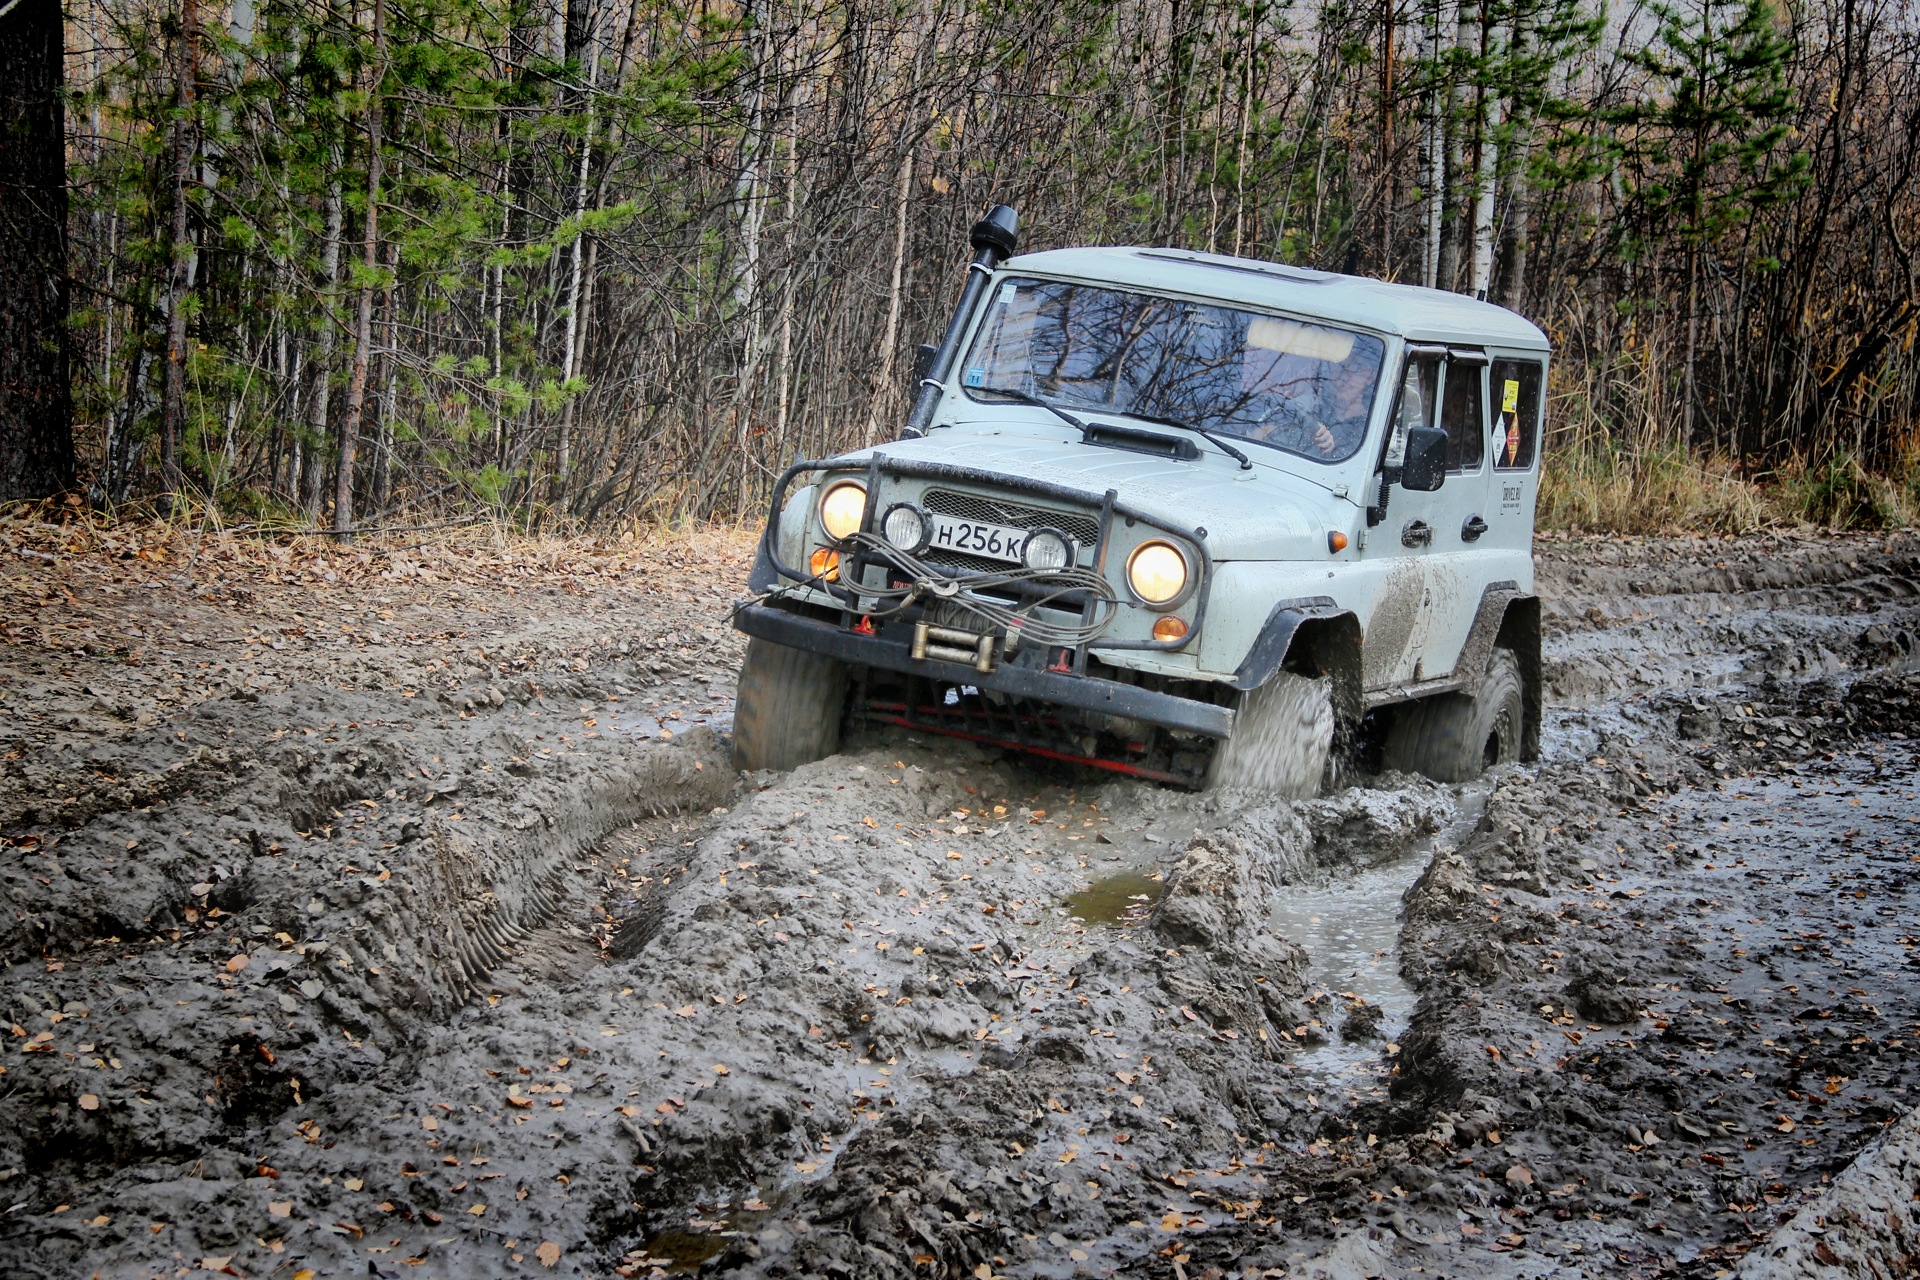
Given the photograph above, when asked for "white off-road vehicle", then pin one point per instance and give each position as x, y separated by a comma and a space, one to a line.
1202, 519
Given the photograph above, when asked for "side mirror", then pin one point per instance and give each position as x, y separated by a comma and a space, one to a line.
923, 357
1425, 466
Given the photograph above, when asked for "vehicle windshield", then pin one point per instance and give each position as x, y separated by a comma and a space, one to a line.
1288, 384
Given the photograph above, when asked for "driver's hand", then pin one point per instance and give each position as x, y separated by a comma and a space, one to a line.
1323, 439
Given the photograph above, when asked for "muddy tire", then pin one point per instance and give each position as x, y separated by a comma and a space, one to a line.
787, 710
1282, 734
1457, 736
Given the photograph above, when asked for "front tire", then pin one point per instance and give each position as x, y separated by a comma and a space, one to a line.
788, 707
1457, 736
1282, 734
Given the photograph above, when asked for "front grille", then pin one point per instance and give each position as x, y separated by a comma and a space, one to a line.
1082, 528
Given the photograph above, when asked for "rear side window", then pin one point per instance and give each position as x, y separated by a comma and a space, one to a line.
1464, 417
1516, 424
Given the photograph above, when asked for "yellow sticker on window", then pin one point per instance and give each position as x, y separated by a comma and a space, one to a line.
1510, 397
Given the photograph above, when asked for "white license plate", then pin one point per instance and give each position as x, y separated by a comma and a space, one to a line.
977, 538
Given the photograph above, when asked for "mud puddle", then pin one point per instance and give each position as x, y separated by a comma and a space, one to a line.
1124, 898
1350, 929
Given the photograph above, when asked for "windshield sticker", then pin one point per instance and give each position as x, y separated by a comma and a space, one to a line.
1008, 290
976, 377
1510, 397
1291, 338
1513, 436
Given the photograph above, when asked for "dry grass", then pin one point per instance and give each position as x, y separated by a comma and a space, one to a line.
1664, 491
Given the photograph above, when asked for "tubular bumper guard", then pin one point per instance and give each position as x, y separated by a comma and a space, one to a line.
1088, 693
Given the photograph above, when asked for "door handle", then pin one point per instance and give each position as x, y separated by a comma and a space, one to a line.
1416, 533
1472, 529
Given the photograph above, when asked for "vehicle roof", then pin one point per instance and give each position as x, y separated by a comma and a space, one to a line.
1410, 311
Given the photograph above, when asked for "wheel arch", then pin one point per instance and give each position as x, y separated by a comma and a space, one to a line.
1311, 634
1520, 633
1507, 618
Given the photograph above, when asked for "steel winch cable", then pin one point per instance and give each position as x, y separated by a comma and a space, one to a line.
930, 582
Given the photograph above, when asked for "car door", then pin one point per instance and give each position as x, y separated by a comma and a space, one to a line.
1398, 537
1457, 566
1516, 384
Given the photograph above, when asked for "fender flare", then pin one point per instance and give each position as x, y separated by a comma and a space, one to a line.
1508, 618
1317, 628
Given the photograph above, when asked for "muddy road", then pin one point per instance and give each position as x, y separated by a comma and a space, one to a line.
397, 913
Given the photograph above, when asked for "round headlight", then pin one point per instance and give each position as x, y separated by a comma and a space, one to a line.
842, 509
1157, 572
906, 527
1046, 549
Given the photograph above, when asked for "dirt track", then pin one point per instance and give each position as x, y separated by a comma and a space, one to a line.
398, 923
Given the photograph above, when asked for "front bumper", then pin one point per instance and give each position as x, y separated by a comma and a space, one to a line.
890, 650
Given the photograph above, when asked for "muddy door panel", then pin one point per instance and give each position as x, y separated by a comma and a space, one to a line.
1457, 566
1397, 621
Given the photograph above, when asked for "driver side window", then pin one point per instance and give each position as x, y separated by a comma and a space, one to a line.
1419, 392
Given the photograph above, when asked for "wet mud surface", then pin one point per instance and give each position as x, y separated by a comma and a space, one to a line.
440, 940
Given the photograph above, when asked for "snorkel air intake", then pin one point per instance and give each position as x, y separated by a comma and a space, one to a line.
993, 238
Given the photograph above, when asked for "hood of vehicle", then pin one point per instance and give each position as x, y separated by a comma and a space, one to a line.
1262, 514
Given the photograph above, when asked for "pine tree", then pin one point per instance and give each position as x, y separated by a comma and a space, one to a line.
1700, 149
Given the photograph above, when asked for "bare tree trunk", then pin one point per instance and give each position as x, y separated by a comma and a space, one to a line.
389, 392
1483, 181
884, 394
370, 261
1436, 158
1465, 29
1389, 165
320, 399
568, 357
173, 393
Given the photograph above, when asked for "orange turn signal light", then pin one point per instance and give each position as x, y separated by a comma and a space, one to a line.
825, 564
1336, 540
1168, 628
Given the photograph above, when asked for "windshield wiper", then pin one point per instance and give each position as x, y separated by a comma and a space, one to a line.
1246, 463
1024, 397
1027, 397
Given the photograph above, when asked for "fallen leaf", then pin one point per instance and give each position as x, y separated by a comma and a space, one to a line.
238, 963
89, 1102
1520, 1176
1173, 1221
684, 1011
429, 1123
548, 1253
354, 1184
280, 1208
477, 1210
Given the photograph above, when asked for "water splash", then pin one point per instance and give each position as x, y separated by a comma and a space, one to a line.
1281, 737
